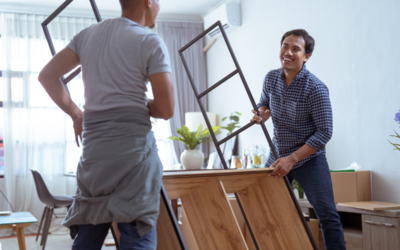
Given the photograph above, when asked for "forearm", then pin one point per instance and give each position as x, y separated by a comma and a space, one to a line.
321, 113
49, 77
154, 112
57, 92
163, 104
302, 153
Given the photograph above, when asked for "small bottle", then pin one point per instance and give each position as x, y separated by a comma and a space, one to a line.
236, 162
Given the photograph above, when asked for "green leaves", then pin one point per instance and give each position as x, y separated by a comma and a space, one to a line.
296, 185
234, 121
396, 146
192, 139
234, 117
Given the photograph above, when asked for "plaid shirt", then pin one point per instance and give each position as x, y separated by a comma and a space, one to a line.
301, 113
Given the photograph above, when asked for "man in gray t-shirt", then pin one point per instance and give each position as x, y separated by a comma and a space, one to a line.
119, 173
117, 56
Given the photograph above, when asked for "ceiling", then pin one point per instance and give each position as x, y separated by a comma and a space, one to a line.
112, 7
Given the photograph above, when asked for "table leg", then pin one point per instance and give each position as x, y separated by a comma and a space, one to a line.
115, 234
21, 238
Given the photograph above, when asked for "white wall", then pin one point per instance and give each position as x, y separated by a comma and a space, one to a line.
357, 56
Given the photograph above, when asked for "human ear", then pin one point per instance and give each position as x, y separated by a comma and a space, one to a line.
148, 3
307, 57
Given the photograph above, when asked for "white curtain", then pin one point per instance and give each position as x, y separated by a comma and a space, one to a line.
176, 35
162, 128
37, 134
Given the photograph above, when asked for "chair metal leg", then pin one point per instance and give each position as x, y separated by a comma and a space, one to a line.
41, 222
45, 221
47, 228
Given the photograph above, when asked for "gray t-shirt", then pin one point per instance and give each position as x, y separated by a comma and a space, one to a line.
117, 57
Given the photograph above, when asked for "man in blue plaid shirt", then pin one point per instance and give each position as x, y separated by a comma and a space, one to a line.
301, 112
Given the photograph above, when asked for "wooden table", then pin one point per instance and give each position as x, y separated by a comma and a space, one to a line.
364, 229
265, 203
17, 221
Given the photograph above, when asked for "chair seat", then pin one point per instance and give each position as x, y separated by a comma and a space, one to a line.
62, 201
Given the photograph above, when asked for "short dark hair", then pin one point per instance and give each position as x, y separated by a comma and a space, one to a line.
129, 4
304, 34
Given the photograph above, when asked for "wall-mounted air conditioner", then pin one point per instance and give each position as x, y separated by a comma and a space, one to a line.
229, 15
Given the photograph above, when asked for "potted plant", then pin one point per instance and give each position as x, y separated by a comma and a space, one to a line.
231, 144
234, 118
397, 119
296, 185
193, 158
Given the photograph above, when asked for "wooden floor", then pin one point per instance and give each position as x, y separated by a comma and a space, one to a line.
54, 242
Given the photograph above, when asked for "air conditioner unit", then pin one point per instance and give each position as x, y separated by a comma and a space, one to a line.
228, 14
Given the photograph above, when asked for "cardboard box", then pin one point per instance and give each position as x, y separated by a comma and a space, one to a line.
351, 186
313, 224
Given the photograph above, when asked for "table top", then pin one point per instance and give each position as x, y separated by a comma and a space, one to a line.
340, 208
17, 218
171, 174
203, 172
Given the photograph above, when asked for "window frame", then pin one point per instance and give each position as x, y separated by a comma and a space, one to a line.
1, 106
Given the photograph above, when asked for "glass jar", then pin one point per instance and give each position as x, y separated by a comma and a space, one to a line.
236, 162
264, 155
246, 156
257, 157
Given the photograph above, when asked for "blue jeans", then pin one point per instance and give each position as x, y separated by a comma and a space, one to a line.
315, 178
91, 237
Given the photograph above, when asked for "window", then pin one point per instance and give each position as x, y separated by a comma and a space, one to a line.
42, 132
162, 132
40, 135
1, 114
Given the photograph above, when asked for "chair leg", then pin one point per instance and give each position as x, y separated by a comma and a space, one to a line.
41, 222
44, 230
47, 228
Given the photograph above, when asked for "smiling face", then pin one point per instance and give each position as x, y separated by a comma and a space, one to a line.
293, 54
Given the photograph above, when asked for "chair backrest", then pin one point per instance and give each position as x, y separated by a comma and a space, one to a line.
41, 188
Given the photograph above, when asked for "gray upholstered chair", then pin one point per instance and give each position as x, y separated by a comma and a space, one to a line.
51, 202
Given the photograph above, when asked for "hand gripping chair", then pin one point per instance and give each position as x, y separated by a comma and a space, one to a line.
51, 202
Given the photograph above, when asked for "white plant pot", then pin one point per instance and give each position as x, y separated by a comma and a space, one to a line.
192, 159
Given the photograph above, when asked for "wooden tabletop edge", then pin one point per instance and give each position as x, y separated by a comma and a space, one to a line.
211, 172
